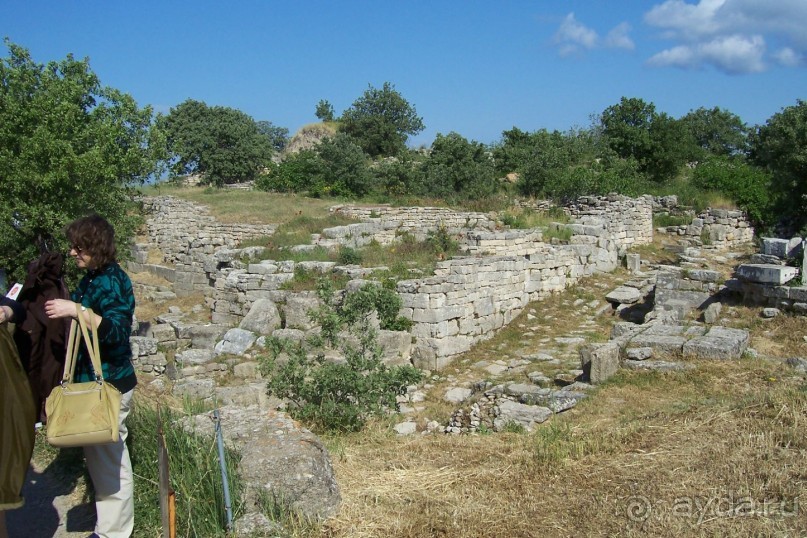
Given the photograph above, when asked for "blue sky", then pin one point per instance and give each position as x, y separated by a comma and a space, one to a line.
476, 68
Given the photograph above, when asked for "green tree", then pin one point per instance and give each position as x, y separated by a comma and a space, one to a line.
222, 144
381, 121
324, 111
657, 142
457, 169
68, 146
342, 169
716, 132
626, 127
780, 147
278, 136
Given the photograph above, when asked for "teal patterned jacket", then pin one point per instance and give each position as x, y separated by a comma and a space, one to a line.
108, 291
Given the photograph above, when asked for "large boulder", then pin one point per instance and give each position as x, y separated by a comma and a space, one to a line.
263, 317
279, 459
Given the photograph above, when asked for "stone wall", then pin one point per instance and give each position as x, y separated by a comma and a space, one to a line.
629, 221
188, 236
722, 229
467, 300
384, 224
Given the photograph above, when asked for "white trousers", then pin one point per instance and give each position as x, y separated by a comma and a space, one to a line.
111, 473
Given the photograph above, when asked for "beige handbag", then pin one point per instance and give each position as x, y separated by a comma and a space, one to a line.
82, 414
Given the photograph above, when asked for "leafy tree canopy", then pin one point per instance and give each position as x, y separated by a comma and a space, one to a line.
780, 147
278, 136
222, 144
657, 142
68, 146
324, 111
716, 132
381, 121
458, 168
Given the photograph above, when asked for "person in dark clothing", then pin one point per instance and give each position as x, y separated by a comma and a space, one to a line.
106, 300
41, 340
17, 415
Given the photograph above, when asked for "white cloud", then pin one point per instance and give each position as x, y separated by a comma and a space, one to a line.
730, 35
618, 37
731, 54
788, 57
574, 37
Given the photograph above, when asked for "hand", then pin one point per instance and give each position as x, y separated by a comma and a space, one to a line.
60, 308
5, 313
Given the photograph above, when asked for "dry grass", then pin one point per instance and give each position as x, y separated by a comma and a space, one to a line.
725, 435
248, 206
719, 451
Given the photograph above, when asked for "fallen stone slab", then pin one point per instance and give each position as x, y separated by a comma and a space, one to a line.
720, 343
658, 366
624, 295
781, 248
563, 400
527, 416
767, 273
278, 458
457, 394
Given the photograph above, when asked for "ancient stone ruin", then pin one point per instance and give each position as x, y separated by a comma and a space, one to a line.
669, 312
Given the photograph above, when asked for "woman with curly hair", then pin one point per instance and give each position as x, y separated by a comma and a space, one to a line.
106, 300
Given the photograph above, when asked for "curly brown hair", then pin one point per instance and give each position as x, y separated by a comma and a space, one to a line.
94, 235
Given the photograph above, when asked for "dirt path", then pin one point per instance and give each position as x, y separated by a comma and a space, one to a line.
54, 504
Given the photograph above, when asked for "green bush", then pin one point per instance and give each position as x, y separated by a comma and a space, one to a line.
292, 175
748, 186
441, 242
334, 396
349, 256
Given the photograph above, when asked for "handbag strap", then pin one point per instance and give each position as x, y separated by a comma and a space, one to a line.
74, 342
93, 348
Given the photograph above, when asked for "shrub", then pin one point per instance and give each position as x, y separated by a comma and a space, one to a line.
341, 396
349, 256
441, 242
748, 186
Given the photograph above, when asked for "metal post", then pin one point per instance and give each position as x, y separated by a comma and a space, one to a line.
223, 465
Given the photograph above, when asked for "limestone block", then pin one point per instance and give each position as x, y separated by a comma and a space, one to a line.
194, 357
624, 295
781, 248
437, 314
194, 388
712, 313
142, 345
527, 416
599, 361
247, 370
719, 343
633, 262
263, 317
457, 394
766, 273
163, 332
297, 312
235, 342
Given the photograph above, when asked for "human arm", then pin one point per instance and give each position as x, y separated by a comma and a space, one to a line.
11, 310
64, 308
